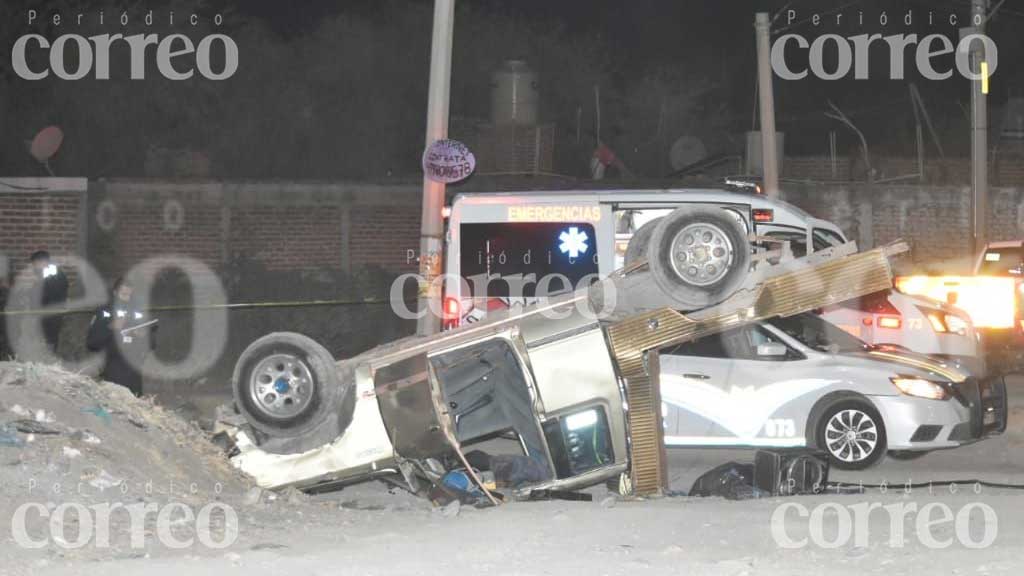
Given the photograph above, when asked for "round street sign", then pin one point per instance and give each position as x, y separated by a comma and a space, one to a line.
448, 161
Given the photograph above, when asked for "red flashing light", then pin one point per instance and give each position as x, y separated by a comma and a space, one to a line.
763, 214
451, 307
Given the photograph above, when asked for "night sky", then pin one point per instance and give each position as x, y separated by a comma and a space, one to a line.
337, 88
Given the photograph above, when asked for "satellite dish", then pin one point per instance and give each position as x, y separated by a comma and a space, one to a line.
46, 143
685, 151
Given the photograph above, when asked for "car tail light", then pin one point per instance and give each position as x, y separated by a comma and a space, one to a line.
893, 322
763, 214
451, 306
451, 313
496, 304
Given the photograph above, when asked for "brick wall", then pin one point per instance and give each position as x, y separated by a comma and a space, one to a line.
935, 220
1004, 170
288, 237
36, 215
383, 235
282, 226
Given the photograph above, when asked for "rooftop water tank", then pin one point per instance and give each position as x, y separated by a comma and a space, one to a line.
514, 94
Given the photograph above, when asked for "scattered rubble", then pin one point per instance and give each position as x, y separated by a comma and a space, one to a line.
66, 438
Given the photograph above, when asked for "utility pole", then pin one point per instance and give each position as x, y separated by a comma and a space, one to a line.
979, 130
432, 226
769, 155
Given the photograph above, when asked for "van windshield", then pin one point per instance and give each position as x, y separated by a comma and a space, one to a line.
822, 239
501, 256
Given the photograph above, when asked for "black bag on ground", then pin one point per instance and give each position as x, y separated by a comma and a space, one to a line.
732, 480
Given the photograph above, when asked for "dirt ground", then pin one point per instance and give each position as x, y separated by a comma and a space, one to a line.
376, 529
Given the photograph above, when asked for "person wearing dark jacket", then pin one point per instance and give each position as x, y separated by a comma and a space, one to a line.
51, 287
124, 333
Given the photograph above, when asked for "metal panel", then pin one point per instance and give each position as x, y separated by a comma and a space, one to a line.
793, 292
408, 408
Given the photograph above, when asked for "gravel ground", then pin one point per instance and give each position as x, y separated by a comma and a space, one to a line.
374, 529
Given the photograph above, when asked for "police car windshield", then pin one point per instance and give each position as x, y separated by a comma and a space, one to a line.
818, 334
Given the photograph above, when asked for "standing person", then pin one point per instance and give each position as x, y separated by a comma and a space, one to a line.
123, 331
51, 289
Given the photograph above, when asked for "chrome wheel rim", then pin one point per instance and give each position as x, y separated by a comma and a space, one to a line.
281, 386
702, 254
851, 435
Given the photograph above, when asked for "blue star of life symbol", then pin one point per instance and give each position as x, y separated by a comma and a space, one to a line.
573, 243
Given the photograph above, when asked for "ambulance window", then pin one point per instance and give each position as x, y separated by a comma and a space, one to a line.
500, 255
826, 238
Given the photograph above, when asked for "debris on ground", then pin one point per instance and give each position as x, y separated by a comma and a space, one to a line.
66, 438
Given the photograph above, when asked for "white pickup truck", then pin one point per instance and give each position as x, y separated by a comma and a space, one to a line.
574, 378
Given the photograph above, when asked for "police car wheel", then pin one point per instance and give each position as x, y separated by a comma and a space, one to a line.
289, 390
852, 433
698, 256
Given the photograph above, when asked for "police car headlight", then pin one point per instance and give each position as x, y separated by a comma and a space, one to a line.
956, 324
920, 387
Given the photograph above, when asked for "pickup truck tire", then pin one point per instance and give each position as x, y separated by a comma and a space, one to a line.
698, 256
292, 393
637, 247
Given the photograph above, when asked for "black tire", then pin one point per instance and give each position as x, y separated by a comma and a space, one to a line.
637, 247
328, 398
855, 459
906, 454
728, 270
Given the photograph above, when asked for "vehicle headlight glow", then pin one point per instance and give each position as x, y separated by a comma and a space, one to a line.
920, 387
581, 420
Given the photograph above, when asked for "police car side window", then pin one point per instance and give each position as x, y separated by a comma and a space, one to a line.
729, 344
758, 336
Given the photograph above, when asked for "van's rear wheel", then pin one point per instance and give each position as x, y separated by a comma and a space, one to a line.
698, 256
290, 391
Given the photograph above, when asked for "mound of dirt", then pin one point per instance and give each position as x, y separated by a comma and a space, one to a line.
57, 427
66, 438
